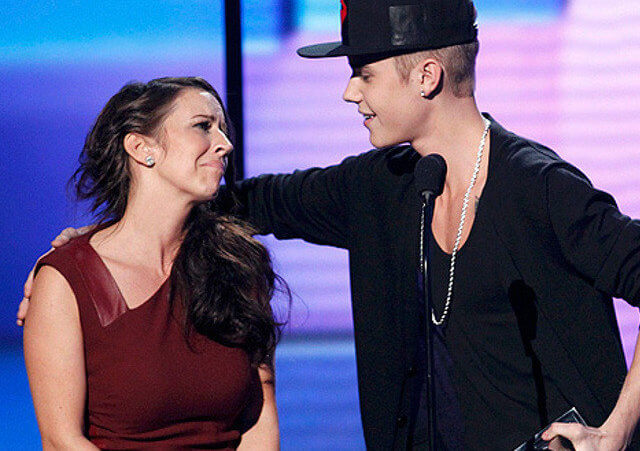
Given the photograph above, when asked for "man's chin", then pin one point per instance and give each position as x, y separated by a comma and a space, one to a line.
382, 143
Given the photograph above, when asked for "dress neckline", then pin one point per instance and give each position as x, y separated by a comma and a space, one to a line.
112, 281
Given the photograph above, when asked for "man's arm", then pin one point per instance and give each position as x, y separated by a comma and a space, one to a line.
314, 204
595, 237
604, 245
617, 431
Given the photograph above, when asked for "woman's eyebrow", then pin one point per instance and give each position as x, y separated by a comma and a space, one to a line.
213, 117
207, 116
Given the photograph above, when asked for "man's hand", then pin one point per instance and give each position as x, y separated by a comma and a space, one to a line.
62, 239
584, 438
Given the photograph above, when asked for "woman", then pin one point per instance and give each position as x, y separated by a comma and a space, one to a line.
155, 329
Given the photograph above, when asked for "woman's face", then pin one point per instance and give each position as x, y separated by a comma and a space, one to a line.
193, 146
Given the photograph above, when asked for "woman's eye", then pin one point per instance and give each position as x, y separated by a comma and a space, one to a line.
204, 125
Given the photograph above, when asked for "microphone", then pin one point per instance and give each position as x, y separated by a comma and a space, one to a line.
429, 174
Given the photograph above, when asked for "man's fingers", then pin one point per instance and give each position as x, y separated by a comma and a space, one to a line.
24, 304
85, 229
70, 233
26, 292
22, 311
64, 237
573, 431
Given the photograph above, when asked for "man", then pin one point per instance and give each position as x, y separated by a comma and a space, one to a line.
526, 256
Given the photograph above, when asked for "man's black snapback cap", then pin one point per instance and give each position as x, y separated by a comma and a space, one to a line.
392, 27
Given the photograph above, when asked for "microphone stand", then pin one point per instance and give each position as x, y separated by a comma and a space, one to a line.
425, 240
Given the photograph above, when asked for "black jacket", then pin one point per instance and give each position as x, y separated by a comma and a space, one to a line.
570, 250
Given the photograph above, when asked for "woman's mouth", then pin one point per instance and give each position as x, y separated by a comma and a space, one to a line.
215, 164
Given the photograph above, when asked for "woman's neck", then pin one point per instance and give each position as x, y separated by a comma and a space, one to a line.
150, 231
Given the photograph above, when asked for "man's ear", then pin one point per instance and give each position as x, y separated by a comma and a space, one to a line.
431, 76
140, 148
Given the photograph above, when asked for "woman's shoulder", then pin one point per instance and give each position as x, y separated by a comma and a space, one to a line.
77, 266
53, 304
69, 260
50, 282
67, 254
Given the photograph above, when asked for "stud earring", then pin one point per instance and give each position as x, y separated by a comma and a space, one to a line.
422, 94
149, 161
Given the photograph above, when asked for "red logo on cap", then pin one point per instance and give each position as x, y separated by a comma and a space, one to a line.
343, 11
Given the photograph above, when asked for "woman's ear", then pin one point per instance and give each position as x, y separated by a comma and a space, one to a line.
140, 149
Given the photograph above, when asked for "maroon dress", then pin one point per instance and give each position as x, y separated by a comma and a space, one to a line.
147, 387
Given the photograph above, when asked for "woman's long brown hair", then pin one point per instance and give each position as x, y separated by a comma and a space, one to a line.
222, 274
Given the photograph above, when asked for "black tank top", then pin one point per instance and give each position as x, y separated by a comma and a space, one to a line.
502, 395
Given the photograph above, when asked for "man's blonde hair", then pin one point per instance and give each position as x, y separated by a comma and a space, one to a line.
458, 61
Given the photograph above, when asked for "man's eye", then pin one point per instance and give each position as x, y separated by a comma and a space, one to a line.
204, 125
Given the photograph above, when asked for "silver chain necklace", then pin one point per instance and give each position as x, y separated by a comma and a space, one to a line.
456, 245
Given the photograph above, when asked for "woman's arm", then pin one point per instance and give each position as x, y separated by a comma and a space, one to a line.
265, 434
54, 357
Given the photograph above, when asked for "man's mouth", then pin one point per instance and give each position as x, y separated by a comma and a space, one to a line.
367, 117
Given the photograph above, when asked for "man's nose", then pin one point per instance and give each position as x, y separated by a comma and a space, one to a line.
351, 92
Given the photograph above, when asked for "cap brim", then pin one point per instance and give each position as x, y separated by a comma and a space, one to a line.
324, 50
357, 57
333, 49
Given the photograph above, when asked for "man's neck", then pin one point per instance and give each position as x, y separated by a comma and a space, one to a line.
455, 132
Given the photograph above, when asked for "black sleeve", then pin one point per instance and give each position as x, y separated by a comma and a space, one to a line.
598, 240
314, 205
